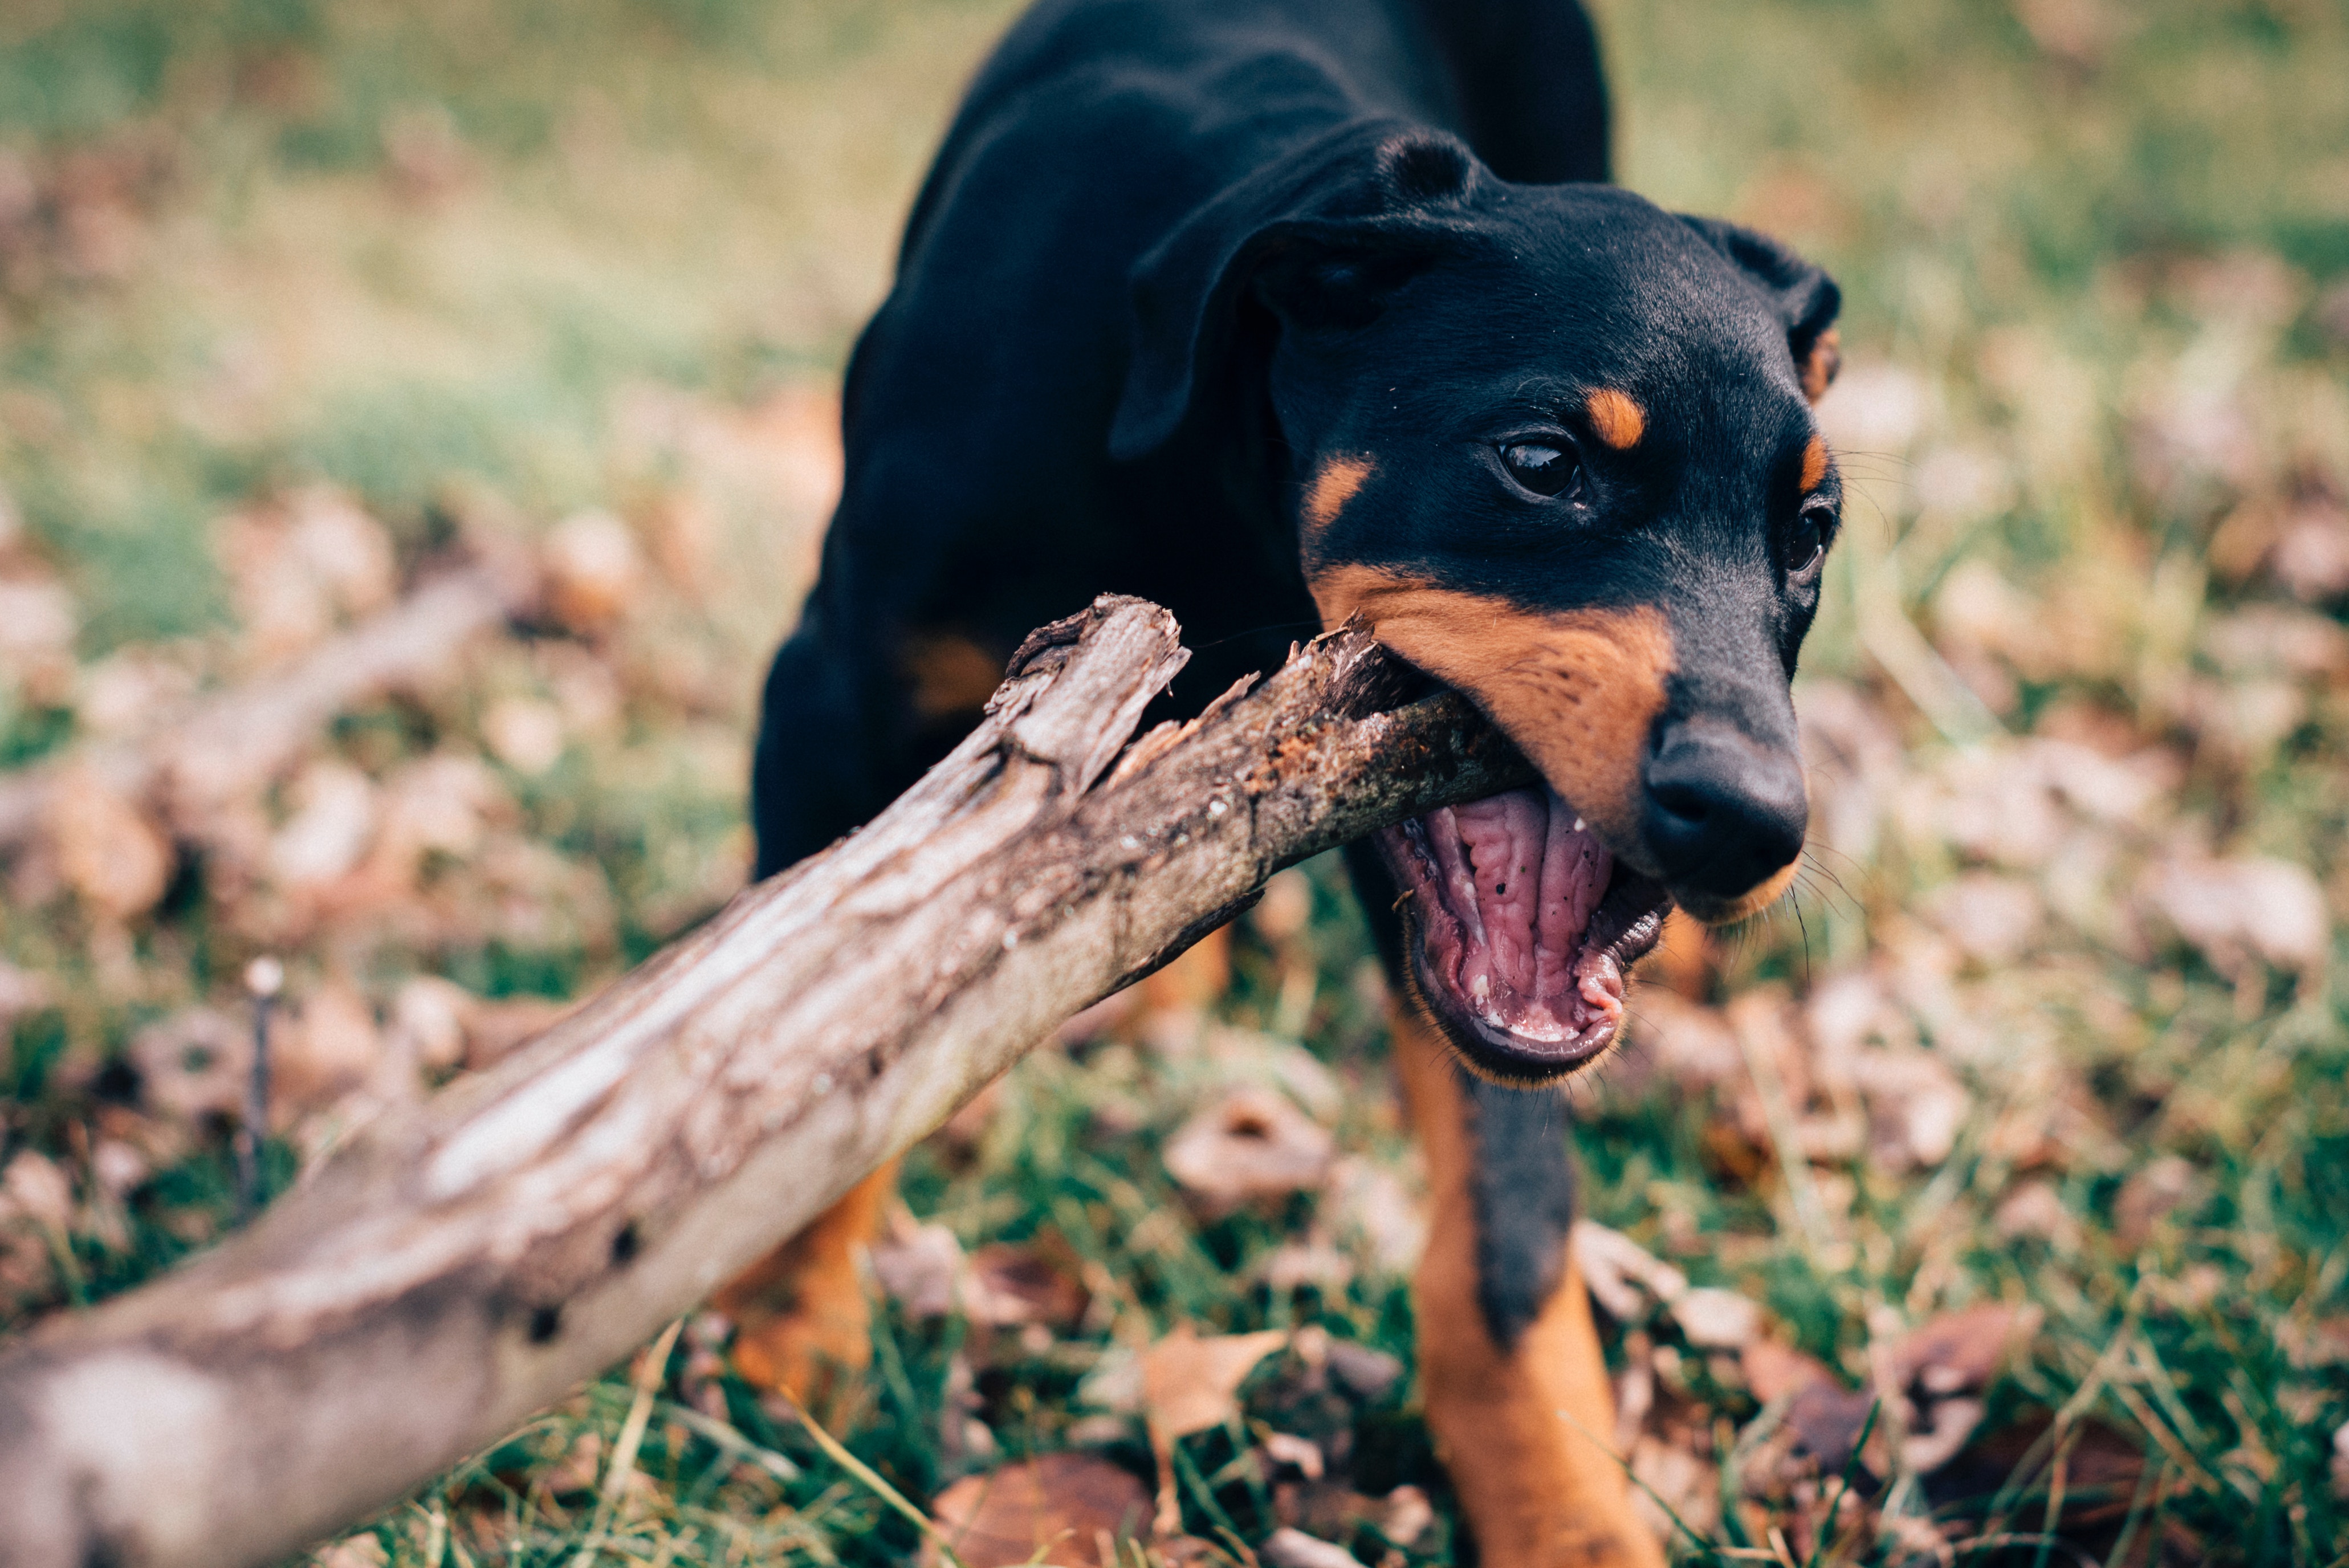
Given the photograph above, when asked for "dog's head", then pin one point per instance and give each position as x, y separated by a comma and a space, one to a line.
1556, 445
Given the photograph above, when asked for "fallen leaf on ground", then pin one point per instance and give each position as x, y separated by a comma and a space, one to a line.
1012, 1285
1618, 1270
428, 1021
108, 852
1774, 1369
2161, 1189
1669, 1477
1287, 1448
1369, 1203
39, 1188
22, 992
1286, 1548
1189, 1384
1408, 1515
1252, 1144
1961, 1352
918, 1266
1064, 1509
1717, 1319
193, 1064
2237, 912
329, 1046
592, 570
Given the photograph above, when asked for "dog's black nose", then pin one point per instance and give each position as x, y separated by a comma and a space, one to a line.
1724, 813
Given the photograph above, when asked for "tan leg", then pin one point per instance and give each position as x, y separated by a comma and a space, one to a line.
1523, 1424
802, 1321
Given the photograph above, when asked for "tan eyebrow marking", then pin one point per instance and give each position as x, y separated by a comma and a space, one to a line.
1814, 463
1619, 421
1334, 484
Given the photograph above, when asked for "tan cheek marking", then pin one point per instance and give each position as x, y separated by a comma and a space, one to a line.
1576, 690
1815, 464
1619, 421
1335, 483
951, 674
1819, 367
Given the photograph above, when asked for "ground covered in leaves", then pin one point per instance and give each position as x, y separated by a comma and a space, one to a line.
1991, 1201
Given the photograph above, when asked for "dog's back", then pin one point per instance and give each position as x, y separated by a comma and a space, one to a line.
981, 495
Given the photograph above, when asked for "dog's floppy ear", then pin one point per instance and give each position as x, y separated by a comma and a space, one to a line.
1321, 238
1806, 298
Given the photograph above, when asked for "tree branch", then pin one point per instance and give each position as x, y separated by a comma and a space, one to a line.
467, 1261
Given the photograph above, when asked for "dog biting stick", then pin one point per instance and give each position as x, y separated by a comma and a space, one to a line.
464, 1263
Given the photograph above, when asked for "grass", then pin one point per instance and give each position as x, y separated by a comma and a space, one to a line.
482, 266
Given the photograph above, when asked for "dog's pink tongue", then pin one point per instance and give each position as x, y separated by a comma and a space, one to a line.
1526, 885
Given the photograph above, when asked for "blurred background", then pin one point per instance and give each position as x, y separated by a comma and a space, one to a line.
417, 423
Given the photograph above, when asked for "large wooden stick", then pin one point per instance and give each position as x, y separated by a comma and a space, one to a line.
464, 1263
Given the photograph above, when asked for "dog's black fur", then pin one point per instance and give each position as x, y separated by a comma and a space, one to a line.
1175, 251
1176, 258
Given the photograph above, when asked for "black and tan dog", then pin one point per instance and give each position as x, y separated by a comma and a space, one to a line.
1281, 311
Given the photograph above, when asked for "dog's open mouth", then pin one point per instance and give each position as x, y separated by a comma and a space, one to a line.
1523, 927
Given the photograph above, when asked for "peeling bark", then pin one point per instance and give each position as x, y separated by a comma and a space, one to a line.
467, 1261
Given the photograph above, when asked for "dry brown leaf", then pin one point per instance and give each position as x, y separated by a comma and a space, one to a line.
1252, 1144
1668, 1476
193, 1065
1716, 1319
1366, 1201
2162, 1188
1674, 1041
2238, 912
1288, 1448
327, 1048
1057, 1509
525, 733
592, 570
22, 992
427, 1022
1963, 1351
1012, 1285
1287, 1548
296, 564
918, 1265
1189, 1384
38, 1188
108, 852
1774, 1370
334, 821
1620, 1275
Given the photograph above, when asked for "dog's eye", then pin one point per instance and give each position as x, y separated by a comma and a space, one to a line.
1543, 470
1806, 544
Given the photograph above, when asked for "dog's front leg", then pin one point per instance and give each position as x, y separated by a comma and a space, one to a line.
1510, 1366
